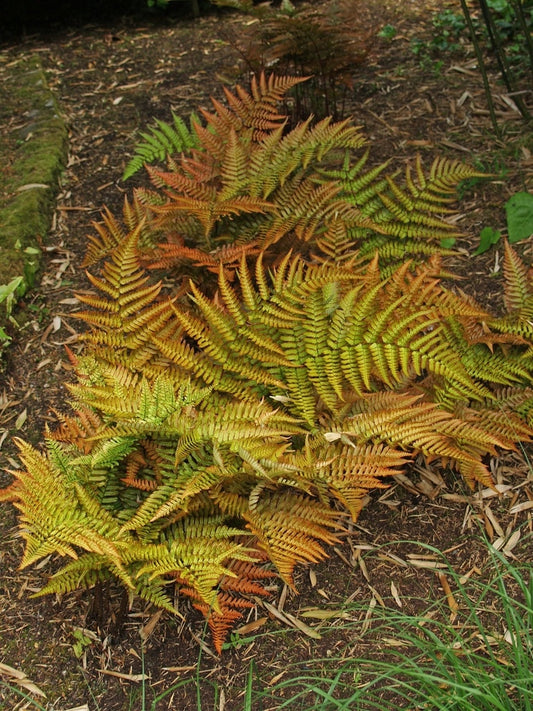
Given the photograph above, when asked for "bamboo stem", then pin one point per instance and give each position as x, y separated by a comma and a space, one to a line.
519, 10
482, 67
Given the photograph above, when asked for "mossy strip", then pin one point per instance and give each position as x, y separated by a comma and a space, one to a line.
33, 151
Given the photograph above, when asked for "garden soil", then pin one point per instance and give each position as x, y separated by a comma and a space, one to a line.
91, 651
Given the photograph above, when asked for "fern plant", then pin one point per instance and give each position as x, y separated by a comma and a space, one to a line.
319, 42
225, 448
248, 183
223, 428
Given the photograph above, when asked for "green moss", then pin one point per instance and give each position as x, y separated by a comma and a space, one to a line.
32, 156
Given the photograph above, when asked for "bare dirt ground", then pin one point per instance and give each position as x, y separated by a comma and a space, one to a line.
110, 82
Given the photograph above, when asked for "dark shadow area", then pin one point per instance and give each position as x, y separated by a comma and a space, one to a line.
23, 17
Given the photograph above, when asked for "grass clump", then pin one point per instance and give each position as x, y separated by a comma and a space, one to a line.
472, 650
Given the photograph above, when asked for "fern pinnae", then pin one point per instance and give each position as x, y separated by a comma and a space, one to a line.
518, 285
230, 299
316, 326
414, 187
84, 572
164, 140
218, 321
319, 374
302, 397
234, 171
110, 233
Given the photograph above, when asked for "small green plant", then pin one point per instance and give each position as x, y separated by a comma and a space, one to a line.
82, 640
448, 27
519, 215
488, 237
388, 32
8, 295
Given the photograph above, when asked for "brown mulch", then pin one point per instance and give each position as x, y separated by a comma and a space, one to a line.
110, 83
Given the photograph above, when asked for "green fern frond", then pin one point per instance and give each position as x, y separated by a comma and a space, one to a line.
83, 573
518, 283
410, 216
163, 140
518, 298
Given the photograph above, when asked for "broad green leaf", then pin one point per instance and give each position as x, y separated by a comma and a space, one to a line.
487, 238
7, 290
519, 210
447, 242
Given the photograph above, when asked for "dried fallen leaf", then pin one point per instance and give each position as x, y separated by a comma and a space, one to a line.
127, 677
251, 626
31, 186
368, 616
493, 520
429, 564
319, 614
394, 642
149, 627
276, 678
395, 595
292, 621
524, 506
21, 419
452, 602
511, 543
18, 677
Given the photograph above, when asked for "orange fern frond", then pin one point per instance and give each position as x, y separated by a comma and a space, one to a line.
288, 526
78, 430
228, 256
